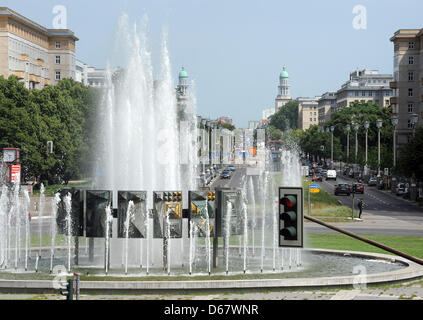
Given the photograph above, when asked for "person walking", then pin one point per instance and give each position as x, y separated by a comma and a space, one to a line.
360, 207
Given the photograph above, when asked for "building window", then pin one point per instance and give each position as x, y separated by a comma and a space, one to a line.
410, 108
58, 75
363, 93
410, 92
409, 125
356, 93
370, 93
411, 60
411, 76
311, 119
387, 102
57, 59
411, 45
57, 44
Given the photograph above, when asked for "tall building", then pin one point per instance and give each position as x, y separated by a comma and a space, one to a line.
326, 106
284, 94
365, 86
408, 81
181, 89
308, 114
36, 55
253, 124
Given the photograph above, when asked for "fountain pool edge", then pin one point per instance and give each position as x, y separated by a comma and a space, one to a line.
410, 272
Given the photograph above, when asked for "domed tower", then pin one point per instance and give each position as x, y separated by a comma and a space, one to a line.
284, 94
183, 81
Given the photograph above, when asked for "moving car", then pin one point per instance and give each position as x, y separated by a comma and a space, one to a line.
400, 189
359, 188
231, 167
226, 174
331, 174
342, 188
372, 181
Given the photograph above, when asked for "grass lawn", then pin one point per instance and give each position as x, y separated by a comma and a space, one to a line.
324, 205
50, 190
407, 244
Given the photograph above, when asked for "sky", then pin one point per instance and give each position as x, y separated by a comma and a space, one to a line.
234, 50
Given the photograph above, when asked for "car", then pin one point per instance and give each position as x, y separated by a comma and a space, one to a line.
324, 173
317, 177
400, 189
331, 174
226, 174
231, 167
342, 188
358, 187
372, 182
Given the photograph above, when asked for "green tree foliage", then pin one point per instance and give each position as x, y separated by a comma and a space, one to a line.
312, 139
63, 114
410, 162
286, 117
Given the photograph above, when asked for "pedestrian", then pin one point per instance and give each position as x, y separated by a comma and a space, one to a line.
360, 207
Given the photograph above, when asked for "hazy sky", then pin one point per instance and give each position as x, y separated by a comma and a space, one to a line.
234, 50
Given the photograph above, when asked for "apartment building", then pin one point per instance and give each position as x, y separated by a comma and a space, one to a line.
365, 86
408, 81
308, 114
36, 55
326, 106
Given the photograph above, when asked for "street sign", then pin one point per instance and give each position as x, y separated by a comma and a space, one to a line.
386, 172
314, 188
15, 172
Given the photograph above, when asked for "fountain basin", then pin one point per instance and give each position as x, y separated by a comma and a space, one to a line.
397, 269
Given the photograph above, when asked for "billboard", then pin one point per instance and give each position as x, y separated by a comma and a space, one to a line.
77, 212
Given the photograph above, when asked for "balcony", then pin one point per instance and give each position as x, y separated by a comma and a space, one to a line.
393, 100
19, 74
393, 85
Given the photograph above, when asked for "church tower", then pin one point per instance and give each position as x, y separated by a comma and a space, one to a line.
284, 94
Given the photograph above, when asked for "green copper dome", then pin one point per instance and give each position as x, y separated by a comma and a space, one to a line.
284, 74
183, 73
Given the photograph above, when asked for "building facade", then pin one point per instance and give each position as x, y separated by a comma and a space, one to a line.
267, 113
365, 86
308, 114
326, 106
37, 56
408, 81
284, 94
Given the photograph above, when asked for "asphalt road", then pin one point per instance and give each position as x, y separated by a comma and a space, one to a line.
384, 212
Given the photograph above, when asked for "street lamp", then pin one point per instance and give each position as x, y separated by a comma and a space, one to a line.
332, 128
366, 126
356, 126
379, 126
394, 121
348, 142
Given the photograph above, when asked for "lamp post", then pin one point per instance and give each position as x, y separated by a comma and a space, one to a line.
356, 126
366, 126
327, 131
394, 121
348, 142
332, 128
379, 126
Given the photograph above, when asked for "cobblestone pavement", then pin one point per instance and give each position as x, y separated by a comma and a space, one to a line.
406, 291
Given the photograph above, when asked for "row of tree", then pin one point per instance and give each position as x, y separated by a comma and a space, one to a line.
64, 114
316, 143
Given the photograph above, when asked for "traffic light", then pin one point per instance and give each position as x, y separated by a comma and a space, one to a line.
290, 217
68, 292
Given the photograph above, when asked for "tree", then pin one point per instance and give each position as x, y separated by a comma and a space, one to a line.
410, 162
286, 117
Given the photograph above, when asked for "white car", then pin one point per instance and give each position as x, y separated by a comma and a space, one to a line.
331, 174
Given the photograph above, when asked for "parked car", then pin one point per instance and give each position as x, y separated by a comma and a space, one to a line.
231, 167
324, 173
359, 188
331, 174
226, 174
400, 189
381, 184
372, 181
342, 188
